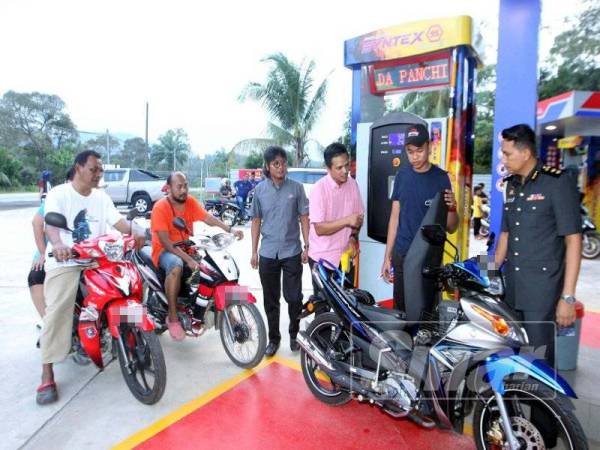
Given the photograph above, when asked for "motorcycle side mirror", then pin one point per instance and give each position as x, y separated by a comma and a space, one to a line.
434, 234
179, 223
57, 220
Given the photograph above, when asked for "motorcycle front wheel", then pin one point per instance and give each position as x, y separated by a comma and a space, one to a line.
328, 334
591, 246
142, 364
243, 334
540, 418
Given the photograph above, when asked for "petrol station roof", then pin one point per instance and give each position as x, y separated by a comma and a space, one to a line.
570, 113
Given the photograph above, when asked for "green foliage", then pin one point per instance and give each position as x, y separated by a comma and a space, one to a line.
574, 62
37, 123
60, 161
254, 160
286, 95
10, 168
424, 104
484, 120
134, 153
173, 142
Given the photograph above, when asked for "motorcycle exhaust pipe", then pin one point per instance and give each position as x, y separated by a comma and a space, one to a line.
337, 376
315, 353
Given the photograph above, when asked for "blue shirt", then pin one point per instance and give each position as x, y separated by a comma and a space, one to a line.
415, 191
40, 211
242, 188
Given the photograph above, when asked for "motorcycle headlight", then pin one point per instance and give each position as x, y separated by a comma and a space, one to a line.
114, 251
222, 240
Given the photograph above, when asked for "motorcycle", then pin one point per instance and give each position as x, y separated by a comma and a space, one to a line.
437, 371
591, 237
109, 310
210, 297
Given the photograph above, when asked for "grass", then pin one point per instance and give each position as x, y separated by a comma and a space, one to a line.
31, 188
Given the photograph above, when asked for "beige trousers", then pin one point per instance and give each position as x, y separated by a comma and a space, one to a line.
60, 290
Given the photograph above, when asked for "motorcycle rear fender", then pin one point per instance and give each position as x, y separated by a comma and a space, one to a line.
127, 311
228, 293
498, 366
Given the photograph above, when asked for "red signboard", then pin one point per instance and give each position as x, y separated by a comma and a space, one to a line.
410, 73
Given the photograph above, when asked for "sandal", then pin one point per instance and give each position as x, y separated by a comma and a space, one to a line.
46, 393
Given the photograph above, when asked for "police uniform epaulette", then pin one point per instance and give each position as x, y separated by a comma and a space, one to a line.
507, 177
553, 171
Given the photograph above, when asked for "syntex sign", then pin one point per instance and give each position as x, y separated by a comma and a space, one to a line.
433, 34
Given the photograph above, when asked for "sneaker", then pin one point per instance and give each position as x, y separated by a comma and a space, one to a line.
176, 330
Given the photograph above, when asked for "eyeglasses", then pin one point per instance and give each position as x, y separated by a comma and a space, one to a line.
279, 163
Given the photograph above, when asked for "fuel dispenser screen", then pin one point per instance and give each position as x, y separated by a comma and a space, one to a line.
386, 156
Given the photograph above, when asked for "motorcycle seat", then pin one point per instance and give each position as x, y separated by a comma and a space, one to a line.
384, 318
146, 256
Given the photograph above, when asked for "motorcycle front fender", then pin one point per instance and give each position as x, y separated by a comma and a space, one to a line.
127, 311
498, 366
230, 293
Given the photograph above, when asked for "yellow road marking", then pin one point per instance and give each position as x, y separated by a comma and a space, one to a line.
191, 406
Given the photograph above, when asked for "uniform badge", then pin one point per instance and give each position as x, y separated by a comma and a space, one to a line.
535, 197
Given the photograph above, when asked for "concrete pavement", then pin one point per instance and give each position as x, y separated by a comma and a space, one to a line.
95, 409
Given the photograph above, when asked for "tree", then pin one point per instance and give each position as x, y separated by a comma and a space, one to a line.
286, 95
254, 160
134, 153
35, 122
174, 143
98, 144
484, 119
574, 61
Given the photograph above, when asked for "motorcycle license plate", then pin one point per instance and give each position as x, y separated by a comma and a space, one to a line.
132, 314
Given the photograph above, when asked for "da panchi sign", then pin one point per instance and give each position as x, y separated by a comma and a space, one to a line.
414, 74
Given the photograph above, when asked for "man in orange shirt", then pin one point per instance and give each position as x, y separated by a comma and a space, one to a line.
164, 234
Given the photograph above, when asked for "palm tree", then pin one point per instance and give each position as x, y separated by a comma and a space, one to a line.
286, 97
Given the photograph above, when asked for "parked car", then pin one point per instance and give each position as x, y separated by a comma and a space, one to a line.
308, 177
137, 188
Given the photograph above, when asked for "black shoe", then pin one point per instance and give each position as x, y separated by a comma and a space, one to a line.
271, 349
294, 346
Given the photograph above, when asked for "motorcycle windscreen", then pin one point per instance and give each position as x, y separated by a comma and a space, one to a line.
420, 293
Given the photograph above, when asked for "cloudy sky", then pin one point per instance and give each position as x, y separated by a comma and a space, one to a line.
191, 59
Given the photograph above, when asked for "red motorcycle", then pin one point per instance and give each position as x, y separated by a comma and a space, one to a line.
109, 311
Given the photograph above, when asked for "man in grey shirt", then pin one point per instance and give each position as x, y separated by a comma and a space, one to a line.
278, 210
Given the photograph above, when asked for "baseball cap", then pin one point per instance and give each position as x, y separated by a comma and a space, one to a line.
417, 135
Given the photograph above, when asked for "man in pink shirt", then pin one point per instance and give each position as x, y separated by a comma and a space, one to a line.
335, 210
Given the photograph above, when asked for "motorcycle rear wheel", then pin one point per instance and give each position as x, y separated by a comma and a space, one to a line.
148, 376
519, 400
321, 330
591, 246
246, 347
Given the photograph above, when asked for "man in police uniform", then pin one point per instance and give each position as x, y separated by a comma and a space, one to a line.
540, 239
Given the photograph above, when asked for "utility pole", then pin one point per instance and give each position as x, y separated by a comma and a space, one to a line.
147, 148
107, 148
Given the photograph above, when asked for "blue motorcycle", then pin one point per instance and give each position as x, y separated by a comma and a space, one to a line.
447, 363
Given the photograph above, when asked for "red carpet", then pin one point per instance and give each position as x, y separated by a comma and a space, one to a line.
274, 409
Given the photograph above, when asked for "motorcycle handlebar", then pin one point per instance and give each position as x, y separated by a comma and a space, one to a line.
74, 254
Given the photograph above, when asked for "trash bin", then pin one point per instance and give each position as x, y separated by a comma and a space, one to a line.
567, 347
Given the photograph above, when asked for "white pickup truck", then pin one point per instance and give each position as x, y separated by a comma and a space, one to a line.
134, 187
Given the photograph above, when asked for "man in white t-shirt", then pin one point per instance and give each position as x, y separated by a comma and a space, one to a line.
89, 213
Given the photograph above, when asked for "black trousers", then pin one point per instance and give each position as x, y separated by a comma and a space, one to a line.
398, 266
476, 226
541, 332
271, 272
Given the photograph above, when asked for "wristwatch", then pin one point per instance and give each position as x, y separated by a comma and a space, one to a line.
570, 299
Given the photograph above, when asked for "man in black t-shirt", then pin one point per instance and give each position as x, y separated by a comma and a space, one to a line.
414, 188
